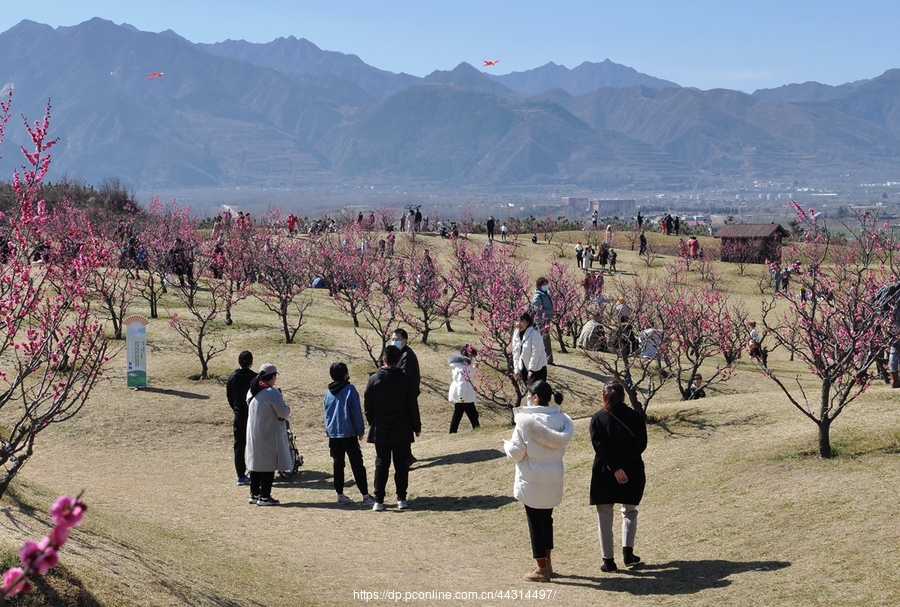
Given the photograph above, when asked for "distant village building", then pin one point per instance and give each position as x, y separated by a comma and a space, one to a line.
751, 242
575, 203
609, 208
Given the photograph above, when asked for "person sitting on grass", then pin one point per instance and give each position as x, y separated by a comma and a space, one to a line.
696, 388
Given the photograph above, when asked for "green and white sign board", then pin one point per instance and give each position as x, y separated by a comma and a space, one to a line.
136, 345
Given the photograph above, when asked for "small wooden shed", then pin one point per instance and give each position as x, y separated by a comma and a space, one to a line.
751, 242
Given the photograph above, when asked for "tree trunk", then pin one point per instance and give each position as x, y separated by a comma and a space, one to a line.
635, 401
824, 439
560, 338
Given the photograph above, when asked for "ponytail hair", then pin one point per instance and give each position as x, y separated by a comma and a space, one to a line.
544, 392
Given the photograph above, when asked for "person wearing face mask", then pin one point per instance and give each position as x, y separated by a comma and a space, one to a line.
409, 362
542, 304
537, 445
528, 351
409, 365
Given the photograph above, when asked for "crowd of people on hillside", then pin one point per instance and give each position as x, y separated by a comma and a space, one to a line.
389, 405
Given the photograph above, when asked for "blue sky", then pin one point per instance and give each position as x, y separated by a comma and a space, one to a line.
706, 44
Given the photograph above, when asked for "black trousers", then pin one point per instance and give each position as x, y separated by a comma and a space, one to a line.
458, 410
540, 527
401, 455
349, 447
261, 483
535, 375
240, 442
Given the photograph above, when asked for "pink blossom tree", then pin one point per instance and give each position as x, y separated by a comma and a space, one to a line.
346, 270
842, 330
203, 299
52, 344
628, 328
109, 284
569, 305
428, 293
703, 328
496, 286
155, 233
380, 305
284, 276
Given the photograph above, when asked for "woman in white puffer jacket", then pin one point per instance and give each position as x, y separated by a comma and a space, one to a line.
538, 445
529, 357
462, 391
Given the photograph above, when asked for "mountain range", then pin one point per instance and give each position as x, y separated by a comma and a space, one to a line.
287, 114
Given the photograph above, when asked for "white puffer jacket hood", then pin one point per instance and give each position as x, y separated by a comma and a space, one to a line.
538, 445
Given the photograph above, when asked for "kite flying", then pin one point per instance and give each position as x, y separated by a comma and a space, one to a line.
494, 62
153, 75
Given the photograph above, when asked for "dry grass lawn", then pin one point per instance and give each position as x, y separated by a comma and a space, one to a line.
738, 509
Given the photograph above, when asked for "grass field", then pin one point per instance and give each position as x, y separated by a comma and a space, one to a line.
738, 509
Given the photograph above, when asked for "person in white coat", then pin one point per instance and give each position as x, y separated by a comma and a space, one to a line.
267, 448
528, 353
462, 391
537, 445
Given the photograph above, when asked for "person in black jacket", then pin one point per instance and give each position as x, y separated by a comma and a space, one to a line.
392, 410
619, 436
236, 391
409, 362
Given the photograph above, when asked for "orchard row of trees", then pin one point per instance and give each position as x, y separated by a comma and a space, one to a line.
55, 314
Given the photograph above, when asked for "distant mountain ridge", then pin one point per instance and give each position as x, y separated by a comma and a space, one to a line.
585, 78
288, 114
808, 91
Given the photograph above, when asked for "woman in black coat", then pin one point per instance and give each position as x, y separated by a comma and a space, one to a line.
619, 436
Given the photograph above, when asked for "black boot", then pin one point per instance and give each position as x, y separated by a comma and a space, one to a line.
630, 558
608, 566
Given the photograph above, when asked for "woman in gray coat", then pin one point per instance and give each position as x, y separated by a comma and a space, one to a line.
267, 445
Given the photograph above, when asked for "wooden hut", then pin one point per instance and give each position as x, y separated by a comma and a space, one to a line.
751, 242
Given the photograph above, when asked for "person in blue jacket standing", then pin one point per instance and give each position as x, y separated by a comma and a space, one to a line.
346, 429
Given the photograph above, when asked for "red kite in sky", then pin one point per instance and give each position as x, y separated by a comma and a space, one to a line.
494, 62
153, 75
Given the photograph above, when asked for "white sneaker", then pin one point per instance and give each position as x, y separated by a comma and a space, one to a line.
403, 504
343, 499
378, 507
368, 500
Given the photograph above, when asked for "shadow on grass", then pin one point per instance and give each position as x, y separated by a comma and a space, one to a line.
672, 578
590, 374
308, 479
848, 445
58, 588
692, 420
449, 503
467, 457
178, 393
442, 503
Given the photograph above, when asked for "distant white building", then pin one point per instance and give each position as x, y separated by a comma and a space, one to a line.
623, 208
574, 203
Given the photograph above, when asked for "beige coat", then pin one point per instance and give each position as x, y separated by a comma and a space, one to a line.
267, 448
